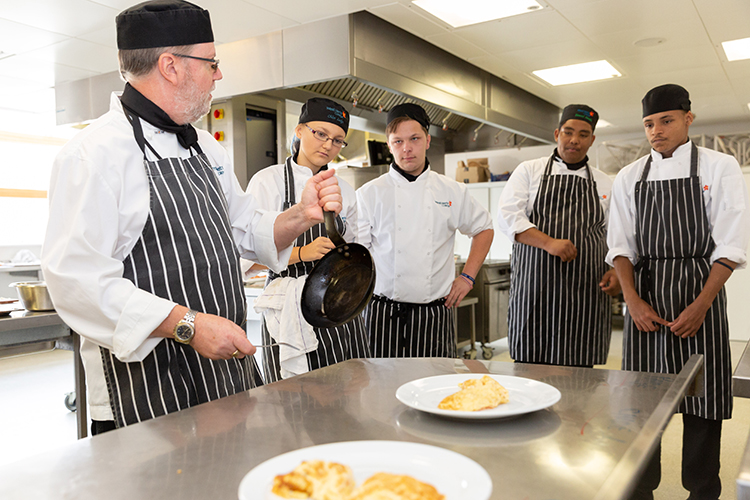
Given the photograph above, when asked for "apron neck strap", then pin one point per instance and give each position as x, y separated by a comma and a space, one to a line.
289, 194
548, 168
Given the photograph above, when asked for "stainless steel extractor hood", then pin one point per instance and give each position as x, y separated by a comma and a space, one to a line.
362, 57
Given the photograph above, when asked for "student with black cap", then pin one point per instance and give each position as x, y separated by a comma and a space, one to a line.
318, 138
408, 219
554, 210
146, 226
679, 226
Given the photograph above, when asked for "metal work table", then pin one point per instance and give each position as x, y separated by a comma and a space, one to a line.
591, 444
741, 388
26, 328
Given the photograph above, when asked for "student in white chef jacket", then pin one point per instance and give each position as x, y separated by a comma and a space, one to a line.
319, 137
554, 210
408, 219
679, 226
146, 226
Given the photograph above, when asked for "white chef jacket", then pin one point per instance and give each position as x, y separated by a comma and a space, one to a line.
99, 202
724, 195
267, 188
519, 194
410, 228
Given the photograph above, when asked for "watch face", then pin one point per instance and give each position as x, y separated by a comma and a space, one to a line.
184, 332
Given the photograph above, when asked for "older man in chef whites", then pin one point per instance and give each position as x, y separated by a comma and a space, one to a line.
146, 226
554, 210
408, 219
679, 226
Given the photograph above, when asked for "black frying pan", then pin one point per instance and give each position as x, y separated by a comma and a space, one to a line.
341, 283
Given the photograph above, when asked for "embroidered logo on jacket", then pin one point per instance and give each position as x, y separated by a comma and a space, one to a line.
219, 169
446, 204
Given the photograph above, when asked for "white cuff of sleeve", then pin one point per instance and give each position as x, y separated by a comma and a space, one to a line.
620, 252
518, 228
142, 314
731, 253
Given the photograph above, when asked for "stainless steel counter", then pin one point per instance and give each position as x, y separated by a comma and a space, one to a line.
741, 387
589, 445
26, 328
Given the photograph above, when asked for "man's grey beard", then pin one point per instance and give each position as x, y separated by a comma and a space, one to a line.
193, 104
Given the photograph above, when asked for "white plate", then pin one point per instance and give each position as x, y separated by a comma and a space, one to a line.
525, 395
453, 475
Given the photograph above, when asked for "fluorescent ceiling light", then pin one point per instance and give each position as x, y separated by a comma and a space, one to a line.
578, 73
602, 123
737, 50
465, 12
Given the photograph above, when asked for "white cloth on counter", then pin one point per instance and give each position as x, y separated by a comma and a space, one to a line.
725, 198
267, 187
99, 202
519, 193
280, 304
410, 229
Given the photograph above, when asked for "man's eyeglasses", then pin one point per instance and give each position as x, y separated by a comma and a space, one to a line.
214, 62
322, 137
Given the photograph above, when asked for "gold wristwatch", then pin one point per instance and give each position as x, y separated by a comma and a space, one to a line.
184, 331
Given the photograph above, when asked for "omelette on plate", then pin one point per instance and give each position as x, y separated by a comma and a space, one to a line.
384, 486
317, 480
475, 395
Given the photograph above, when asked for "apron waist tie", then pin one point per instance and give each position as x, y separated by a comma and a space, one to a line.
402, 309
643, 268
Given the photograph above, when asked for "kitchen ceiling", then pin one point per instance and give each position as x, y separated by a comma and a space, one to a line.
46, 42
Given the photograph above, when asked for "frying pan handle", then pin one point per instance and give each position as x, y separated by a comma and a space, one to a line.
333, 233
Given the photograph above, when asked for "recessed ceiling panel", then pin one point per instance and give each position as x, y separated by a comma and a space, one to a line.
234, 20
304, 11
41, 72
408, 19
544, 28
65, 17
79, 54
559, 54
608, 16
18, 38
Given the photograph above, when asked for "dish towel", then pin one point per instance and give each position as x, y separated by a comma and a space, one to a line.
280, 305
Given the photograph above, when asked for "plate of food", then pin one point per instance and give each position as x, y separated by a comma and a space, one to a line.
355, 470
477, 396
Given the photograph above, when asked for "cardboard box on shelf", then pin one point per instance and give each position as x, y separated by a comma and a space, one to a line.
473, 170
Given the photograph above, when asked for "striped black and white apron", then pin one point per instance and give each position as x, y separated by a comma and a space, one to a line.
335, 344
674, 244
186, 254
407, 330
557, 314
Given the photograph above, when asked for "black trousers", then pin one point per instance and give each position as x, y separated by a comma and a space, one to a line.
701, 447
102, 426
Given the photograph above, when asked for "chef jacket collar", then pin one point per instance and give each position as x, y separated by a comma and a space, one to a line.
410, 177
399, 177
571, 166
295, 164
682, 150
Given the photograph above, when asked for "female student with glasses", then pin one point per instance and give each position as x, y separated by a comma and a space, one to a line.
319, 137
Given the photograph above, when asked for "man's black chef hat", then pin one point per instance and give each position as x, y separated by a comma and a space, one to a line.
319, 109
665, 98
163, 23
410, 110
580, 112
